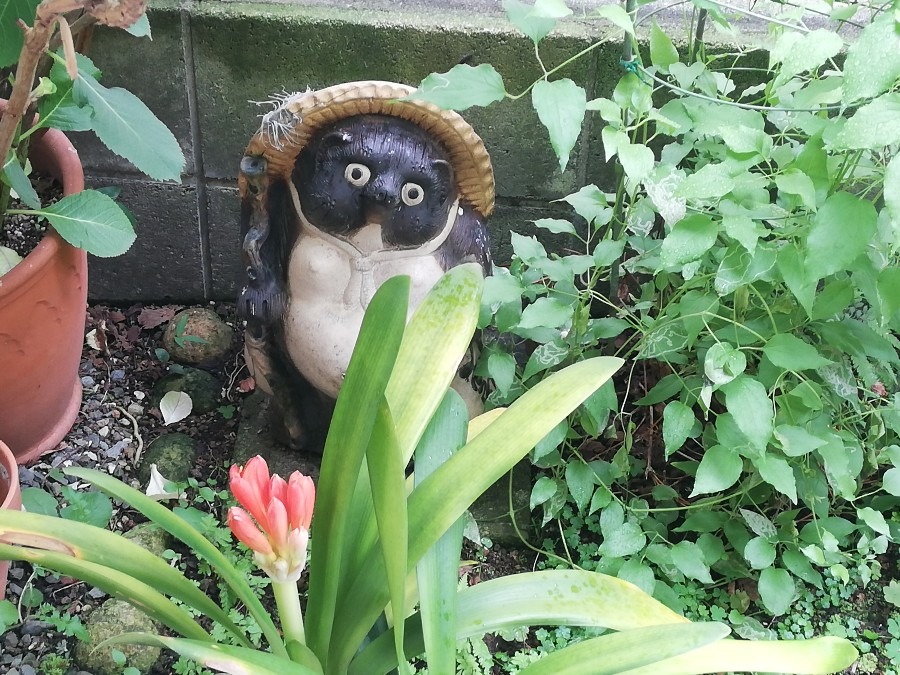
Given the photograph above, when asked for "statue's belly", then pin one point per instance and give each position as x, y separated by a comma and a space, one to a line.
328, 296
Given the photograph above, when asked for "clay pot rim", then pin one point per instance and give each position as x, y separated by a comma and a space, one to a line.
8, 459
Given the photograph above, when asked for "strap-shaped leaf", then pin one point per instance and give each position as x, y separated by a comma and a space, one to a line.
438, 570
123, 586
612, 654
444, 496
184, 532
545, 598
389, 498
817, 656
351, 429
225, 658
434, 343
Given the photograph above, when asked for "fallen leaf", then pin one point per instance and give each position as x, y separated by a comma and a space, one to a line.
175, 406
96, 339
151, 317
132, 335
247, 385
160, 487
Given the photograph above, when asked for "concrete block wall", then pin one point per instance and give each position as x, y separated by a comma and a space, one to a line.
209, 59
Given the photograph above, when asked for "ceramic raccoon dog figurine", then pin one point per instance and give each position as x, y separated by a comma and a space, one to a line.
342, 189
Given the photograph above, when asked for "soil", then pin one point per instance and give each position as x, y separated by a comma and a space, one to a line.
20, 232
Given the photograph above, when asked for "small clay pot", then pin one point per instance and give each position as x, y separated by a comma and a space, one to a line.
10, 497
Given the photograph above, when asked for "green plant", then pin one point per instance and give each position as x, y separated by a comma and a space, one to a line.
64, 623
71, 98
180, 338
379, 537
54, 664
745, 259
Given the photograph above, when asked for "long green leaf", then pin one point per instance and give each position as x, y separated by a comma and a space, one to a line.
612, 654
351, 429
443, 497
118, 584
184, 532
130, 129
438, 570
434, 343
389, 499
223, 658
436, 504
545, 598
819, 655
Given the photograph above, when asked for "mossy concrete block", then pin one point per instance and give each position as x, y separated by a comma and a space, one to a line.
492, 509
111, 619
164, 263
300, 47
154, 71
174, 456
228, 275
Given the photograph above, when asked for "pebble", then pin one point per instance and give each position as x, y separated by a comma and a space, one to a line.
117, 375
139, 395
32, 627
116, 451
135, 409
87, 381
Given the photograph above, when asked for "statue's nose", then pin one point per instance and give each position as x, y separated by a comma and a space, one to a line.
382, 194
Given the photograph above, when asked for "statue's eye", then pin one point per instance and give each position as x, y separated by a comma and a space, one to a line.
357, 174
412, 194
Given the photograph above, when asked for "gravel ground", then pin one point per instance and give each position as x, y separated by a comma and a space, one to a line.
116, 423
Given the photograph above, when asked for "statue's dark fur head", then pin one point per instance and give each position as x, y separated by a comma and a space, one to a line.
376, 168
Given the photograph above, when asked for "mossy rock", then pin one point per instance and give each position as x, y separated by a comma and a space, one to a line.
150, 536
197, 336
113, 618
201, 386
174, 456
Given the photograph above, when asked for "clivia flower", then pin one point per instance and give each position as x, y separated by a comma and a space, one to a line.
275, 518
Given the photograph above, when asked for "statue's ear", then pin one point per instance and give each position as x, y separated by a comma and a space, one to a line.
444, 170
333, 139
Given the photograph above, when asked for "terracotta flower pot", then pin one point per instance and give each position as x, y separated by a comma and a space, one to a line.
10, 497
42, 311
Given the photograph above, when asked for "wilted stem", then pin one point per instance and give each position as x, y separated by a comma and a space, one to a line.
288, 601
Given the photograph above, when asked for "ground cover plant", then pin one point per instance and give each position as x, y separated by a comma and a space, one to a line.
744, 263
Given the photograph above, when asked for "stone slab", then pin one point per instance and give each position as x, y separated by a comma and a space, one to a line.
298, 47
164, 264
223, 207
